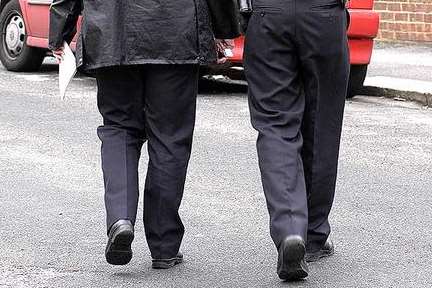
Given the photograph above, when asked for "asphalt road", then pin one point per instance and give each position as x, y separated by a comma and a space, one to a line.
52, 231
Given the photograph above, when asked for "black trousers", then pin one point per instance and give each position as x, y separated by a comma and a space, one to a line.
297, 66
157, 103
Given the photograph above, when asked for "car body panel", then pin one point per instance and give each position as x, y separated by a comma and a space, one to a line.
364, 24
361, 32
360, 4
360, 51
36, 17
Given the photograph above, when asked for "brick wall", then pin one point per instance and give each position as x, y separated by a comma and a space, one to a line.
405, 20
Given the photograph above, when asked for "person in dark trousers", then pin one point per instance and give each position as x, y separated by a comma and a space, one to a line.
297, 67
145, 56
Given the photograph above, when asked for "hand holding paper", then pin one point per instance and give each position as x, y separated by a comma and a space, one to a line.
67, 69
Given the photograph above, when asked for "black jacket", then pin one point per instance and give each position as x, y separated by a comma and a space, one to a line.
128, 32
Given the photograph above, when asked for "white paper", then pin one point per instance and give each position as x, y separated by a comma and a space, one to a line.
67, 69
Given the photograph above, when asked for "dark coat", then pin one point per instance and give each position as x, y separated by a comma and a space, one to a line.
128, 32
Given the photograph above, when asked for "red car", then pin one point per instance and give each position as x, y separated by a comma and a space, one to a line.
24, 36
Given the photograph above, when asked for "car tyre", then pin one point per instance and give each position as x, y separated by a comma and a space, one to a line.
15, 54
356, 79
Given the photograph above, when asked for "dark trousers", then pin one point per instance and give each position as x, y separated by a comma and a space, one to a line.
157, 103
297, 66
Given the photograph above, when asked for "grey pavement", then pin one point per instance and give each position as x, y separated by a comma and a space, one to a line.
52, 230
402, 60
401, 67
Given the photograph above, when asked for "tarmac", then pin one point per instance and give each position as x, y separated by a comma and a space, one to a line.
52, 230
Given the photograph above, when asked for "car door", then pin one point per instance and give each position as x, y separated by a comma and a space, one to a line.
37, 22
36, 17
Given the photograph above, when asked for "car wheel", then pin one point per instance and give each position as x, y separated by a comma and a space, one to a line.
14, 52
356, 79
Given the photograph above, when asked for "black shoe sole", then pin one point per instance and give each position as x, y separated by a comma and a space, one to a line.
118, 250
166, 264
292, 265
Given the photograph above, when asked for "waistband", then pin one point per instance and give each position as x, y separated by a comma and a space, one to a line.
298, 4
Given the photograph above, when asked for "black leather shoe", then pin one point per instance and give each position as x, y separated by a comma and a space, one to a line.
325, 251
120, 236
291, 263
167, 263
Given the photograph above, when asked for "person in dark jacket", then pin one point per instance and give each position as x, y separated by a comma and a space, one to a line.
297, 67
145, 56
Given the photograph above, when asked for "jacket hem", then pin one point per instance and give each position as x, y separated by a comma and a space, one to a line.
89, 67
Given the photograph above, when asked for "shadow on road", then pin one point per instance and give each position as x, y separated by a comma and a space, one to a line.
48, 68
214, 86
209, 85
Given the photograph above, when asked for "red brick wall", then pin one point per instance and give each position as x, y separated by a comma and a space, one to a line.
405, 20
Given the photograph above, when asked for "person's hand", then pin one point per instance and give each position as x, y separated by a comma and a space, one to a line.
221, 46
58, 54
